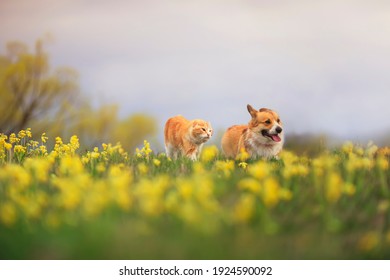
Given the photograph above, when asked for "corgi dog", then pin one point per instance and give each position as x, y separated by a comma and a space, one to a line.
262, 137
186, 137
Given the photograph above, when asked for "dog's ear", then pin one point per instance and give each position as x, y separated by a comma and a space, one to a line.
264, 110
251, 111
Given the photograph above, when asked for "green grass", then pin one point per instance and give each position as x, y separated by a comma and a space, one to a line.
107, 204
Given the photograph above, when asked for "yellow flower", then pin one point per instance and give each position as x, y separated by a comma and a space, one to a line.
359, 151
18, 175
322, 163
8, 214
142, 168
32, 209
288, 157
172, 201
22, 134
384, 151
146, 148
145, 151
185, 188
250, 184
333, 187
349, 189
70, 193
119, 181
138, 153
347, 147
85, 159
124, 200
189, 213
33, 144
59, 140
39, 167
7, 146
198, 168
244, 208
156, 162
296, 169
151, 206
13, 138
368, 241
204, 189
243, 165
259, 170
95, 154
28, 132
44, 137
100, 168
150, 194
356, 162
226, 167
42, 149
71, 165
382, 163
243, 155
19, 149
209, 153
53, 155
285, 194
270, 192
74, 143
94, 200
371, 149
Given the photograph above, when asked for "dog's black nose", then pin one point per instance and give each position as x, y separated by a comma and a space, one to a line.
278, 129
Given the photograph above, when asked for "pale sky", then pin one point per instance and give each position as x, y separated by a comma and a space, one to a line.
324, 66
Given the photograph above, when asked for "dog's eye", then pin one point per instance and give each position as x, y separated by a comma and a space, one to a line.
278, 120
268, 121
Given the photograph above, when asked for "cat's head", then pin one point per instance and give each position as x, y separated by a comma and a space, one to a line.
201, 131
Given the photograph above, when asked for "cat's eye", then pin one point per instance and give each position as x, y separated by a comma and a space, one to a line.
204, 129
268, 121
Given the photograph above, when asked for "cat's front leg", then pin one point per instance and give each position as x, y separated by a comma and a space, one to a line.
172, 152
169, 151
193, 156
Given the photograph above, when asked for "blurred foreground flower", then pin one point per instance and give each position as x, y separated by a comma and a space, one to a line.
209, 153
369, 241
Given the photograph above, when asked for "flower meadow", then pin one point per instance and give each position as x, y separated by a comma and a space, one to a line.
107, 203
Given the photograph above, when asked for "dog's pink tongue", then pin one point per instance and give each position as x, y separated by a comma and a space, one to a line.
276, 138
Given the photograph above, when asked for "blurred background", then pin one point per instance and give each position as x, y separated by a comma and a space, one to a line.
116, 70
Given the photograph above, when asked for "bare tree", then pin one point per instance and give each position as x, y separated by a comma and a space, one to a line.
29, 90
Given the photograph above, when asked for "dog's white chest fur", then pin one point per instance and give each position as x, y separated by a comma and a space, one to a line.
257, 146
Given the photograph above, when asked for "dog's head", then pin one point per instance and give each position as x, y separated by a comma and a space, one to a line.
267, 124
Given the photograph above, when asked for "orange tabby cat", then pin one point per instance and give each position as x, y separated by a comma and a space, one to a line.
186, 138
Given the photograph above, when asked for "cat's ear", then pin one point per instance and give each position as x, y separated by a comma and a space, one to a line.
251, 111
